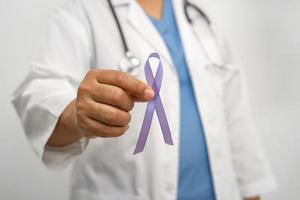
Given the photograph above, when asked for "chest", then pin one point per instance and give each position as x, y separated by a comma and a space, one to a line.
198, 45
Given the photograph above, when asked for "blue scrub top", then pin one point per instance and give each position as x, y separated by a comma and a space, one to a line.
195, 180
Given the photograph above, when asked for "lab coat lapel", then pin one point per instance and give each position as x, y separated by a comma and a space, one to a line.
140, 22
196, 60
198, 65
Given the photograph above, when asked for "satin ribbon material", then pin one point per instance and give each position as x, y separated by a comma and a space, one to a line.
154, 104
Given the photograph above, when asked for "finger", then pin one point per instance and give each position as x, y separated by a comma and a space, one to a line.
127, 82
107, 114
95, 128
112, 95
137, 99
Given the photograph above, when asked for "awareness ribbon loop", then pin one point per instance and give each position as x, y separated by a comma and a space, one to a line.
154, 104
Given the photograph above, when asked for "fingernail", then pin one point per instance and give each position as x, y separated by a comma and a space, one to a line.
149, 93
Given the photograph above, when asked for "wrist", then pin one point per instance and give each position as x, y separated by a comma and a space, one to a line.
70, 121
64, 133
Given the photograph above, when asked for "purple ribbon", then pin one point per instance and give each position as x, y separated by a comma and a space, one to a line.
154, 104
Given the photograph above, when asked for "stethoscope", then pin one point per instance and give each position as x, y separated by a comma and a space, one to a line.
129, 63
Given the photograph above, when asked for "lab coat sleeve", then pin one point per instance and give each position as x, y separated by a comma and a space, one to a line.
253, 172
64, 58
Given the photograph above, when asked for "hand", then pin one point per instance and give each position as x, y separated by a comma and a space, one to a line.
101, 109
103, 102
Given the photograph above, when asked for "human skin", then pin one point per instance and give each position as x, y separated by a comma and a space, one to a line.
103, 111
102, 107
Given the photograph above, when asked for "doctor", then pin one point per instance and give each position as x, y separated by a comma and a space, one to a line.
83, 102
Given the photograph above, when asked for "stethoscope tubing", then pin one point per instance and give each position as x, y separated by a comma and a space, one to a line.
120, 29
127, 53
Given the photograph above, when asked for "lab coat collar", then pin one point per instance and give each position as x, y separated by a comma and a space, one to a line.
142, 24
192, 48
197, 62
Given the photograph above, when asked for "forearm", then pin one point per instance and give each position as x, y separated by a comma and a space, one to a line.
64, 133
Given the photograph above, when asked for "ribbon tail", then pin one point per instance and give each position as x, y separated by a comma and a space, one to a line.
163, 121
145, 128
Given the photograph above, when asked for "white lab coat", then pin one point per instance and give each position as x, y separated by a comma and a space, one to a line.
83, 35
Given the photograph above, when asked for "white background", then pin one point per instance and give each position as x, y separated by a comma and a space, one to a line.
265, 39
